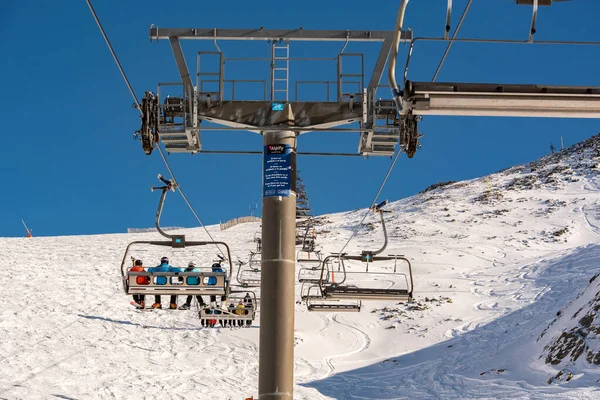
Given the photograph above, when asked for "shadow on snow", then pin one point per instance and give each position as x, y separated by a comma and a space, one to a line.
491, 361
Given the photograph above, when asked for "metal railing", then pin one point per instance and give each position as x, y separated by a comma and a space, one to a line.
233, 82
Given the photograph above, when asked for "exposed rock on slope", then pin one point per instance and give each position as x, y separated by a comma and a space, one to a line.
574, 335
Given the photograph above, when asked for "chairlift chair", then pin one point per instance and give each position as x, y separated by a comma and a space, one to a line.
174, 283
330, 289
313, 274
340, 290
312, 295
308, 252
250, 276
258, 240
225, 315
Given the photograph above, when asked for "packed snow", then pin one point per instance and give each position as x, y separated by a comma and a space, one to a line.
506, 304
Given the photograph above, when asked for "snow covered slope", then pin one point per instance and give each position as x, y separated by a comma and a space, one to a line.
503, 304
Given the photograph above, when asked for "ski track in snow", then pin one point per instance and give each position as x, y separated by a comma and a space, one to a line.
68, 330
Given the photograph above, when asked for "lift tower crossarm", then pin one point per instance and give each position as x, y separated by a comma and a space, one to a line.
270, 34
480, 99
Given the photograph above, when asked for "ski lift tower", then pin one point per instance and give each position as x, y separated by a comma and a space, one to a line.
177, 121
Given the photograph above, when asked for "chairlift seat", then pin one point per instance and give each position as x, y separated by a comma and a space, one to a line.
306, 257
308, 260
217, 313
178, 283
333, 307
311, 275
309, 280
249, 282
356, 293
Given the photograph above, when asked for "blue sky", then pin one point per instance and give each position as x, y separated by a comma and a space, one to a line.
71, 165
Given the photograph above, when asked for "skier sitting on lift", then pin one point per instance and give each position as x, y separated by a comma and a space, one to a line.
248, 306
162, 280
192, 280
216, 267
140, 280
240, 310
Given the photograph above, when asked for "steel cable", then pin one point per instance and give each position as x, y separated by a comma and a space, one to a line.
138, 106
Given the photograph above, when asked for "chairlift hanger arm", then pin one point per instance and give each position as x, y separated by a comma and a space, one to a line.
448, 19
169, 185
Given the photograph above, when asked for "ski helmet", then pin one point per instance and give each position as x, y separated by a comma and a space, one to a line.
192, 264
164, 260
216, 265
138, 262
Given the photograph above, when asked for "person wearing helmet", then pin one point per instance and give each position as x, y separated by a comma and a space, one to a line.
248, 307
216, 267
192, 280
162, 280
239, 310
140, 280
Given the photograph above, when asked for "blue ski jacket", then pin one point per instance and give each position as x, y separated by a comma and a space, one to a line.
164, 267
212, 280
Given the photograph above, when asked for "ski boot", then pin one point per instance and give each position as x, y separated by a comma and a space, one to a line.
157, 305
184, 307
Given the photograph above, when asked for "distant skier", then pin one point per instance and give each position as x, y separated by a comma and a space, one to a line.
192, 280
162, 280
248, 307
239, 310
140, 280
248, 300
231, 310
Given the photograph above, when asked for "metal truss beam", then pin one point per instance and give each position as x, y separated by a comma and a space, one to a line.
470, 99
253, 115
181, 65
384, 54
275, 34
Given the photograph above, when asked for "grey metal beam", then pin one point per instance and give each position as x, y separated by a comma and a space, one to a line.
384, 54
258, 152
251, 115
181, 64
480, 99
499, 89
270, 34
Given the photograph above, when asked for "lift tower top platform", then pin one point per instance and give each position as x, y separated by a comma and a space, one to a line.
178, 120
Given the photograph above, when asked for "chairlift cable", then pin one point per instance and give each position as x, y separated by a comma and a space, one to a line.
137, 103
185, 198
374, 200
138, 106
462, 18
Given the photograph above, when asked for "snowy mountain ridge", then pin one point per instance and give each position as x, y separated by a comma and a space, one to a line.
505, 305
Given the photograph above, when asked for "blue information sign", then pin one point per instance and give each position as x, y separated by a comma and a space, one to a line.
277, 106
277, 170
